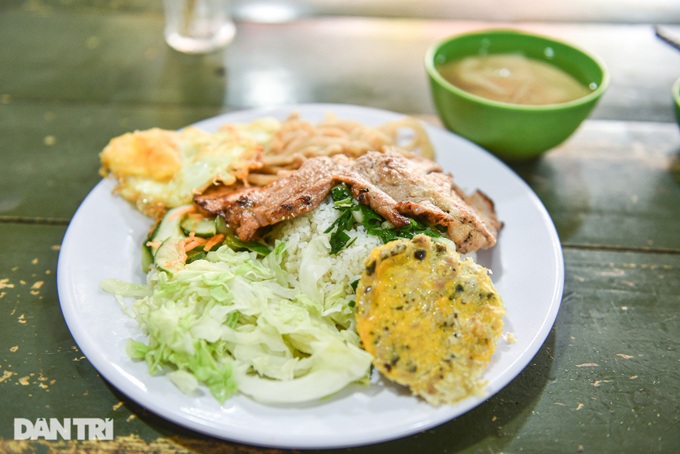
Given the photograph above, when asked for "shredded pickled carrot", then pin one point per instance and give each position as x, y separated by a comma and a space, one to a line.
182, 212
153, 244
213, 241
192, 242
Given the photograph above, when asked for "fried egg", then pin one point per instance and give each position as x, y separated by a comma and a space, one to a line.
159, 169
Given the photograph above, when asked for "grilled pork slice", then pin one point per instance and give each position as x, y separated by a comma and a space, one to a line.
393, 185
247, 209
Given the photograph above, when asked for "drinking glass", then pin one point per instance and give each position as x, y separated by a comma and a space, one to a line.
198, 26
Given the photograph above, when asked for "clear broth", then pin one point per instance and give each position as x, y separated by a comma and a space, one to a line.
513, 78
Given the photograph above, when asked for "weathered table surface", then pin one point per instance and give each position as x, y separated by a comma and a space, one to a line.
73, 74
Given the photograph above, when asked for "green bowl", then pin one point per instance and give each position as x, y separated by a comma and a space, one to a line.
513, 131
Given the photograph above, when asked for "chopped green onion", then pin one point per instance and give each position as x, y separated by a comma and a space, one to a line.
354, 213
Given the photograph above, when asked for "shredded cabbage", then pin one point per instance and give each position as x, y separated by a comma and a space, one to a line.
238, 322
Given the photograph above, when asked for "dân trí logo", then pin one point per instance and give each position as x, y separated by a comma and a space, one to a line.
65, 429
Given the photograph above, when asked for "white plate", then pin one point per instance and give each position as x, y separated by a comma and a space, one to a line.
104, 238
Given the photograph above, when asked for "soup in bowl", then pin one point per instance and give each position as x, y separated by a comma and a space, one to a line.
514, 93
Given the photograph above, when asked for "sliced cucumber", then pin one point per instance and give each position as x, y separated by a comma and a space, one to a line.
162, 247
222, 227
170, 256
204, 227
196, 254
169, 227
164, 251
147, 258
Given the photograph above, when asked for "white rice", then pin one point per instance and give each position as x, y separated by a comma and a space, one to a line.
311, 266
306, 242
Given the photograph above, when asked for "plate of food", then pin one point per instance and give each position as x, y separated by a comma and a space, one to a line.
308, 276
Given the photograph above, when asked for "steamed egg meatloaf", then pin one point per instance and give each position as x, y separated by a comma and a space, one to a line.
429, 318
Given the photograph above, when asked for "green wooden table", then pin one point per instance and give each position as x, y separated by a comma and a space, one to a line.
73, 74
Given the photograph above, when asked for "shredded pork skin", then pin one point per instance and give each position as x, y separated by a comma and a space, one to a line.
395, 186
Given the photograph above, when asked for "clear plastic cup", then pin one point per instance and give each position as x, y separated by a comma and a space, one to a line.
198, 26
